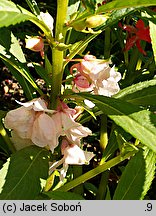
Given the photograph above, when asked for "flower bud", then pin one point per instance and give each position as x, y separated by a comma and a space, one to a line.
95, 21
81, 81
35, 44
79, 26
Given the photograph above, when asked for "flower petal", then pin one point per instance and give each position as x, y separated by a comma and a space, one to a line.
21, 120
44, 132
74, 155
48, 20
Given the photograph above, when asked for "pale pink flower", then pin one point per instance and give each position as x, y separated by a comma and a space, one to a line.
30, 122
44, 132
97, 76
72, 155
21, 121
66, 125
107, 83
43, 127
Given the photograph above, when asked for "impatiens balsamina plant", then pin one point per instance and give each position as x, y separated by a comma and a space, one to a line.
84, 123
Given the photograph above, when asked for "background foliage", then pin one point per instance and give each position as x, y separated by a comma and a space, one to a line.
125, 167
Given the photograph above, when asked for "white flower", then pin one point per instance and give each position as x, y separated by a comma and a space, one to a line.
73, 155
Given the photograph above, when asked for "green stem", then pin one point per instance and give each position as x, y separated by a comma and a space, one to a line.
57, 73
107, 46
131, 75
77, 171
57, 55
102, 190
96, 171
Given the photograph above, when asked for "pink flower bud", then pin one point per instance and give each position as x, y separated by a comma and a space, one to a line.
35, 44
81, 81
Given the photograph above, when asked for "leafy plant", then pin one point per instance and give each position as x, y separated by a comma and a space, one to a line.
93, 115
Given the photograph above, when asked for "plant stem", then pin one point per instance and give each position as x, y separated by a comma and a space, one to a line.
96, 171
131, 70
101, 194
107, 46
57, 55
77, 171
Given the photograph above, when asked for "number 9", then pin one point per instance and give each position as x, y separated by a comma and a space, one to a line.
149, 206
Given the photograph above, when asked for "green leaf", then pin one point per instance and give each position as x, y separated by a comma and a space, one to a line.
3, 173
11, 14
150, 161
33, 6
139, 123
61, 195
137, 177
9, 43
48, 66
72, 8
4, 149
143, 93
91, 188
110, 148
27, 168
5, 143
118, 4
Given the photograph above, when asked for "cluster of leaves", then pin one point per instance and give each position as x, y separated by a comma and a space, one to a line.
132, 128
